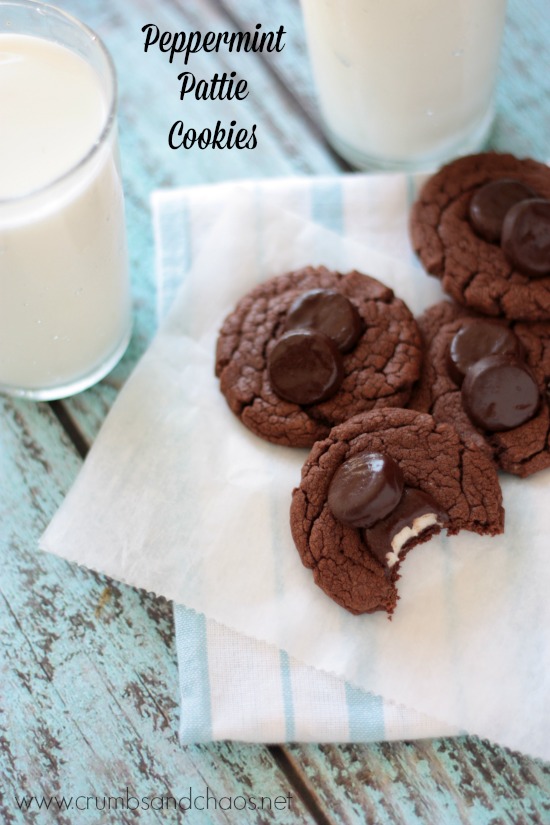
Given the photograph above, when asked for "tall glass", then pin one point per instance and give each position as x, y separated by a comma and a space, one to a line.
64, 289
405, 84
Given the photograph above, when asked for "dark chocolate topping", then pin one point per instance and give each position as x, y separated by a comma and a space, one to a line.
365, 489
526, 237
328, 311
476, 340
305, 367
475, 273
499, 393
490, 203
413, 505
459, 474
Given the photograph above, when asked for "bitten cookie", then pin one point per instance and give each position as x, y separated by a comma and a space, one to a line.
356, 472
442, 391
295, 357
482, 225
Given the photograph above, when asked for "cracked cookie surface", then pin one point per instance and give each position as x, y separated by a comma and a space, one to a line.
523, 450
459, 476
472, 270
380, 371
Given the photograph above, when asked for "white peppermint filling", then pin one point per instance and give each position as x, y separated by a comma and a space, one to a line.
400, 539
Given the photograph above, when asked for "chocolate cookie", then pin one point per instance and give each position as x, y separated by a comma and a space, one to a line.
445, 483
290, 373
522, 449
491, 253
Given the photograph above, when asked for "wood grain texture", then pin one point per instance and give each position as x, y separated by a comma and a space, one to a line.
88, 674
88, 668
451, 781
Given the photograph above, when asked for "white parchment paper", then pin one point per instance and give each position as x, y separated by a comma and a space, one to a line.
177, 497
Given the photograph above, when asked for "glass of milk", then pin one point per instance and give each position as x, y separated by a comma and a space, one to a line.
64, 289
405, 84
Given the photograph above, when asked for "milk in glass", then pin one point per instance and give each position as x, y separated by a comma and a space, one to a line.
404, 83
64, 293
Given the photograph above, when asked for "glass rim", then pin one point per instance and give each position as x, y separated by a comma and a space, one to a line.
110, 118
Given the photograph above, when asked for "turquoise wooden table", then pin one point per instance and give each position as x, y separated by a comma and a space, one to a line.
88, 690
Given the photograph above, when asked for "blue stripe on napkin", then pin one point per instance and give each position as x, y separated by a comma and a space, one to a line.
287, 695
365, 715
326, 204
196, 718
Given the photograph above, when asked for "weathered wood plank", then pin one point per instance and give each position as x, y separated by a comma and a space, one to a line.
88, 668
451, 781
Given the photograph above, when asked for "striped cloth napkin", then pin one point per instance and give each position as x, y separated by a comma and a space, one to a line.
178, 498
233, 686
